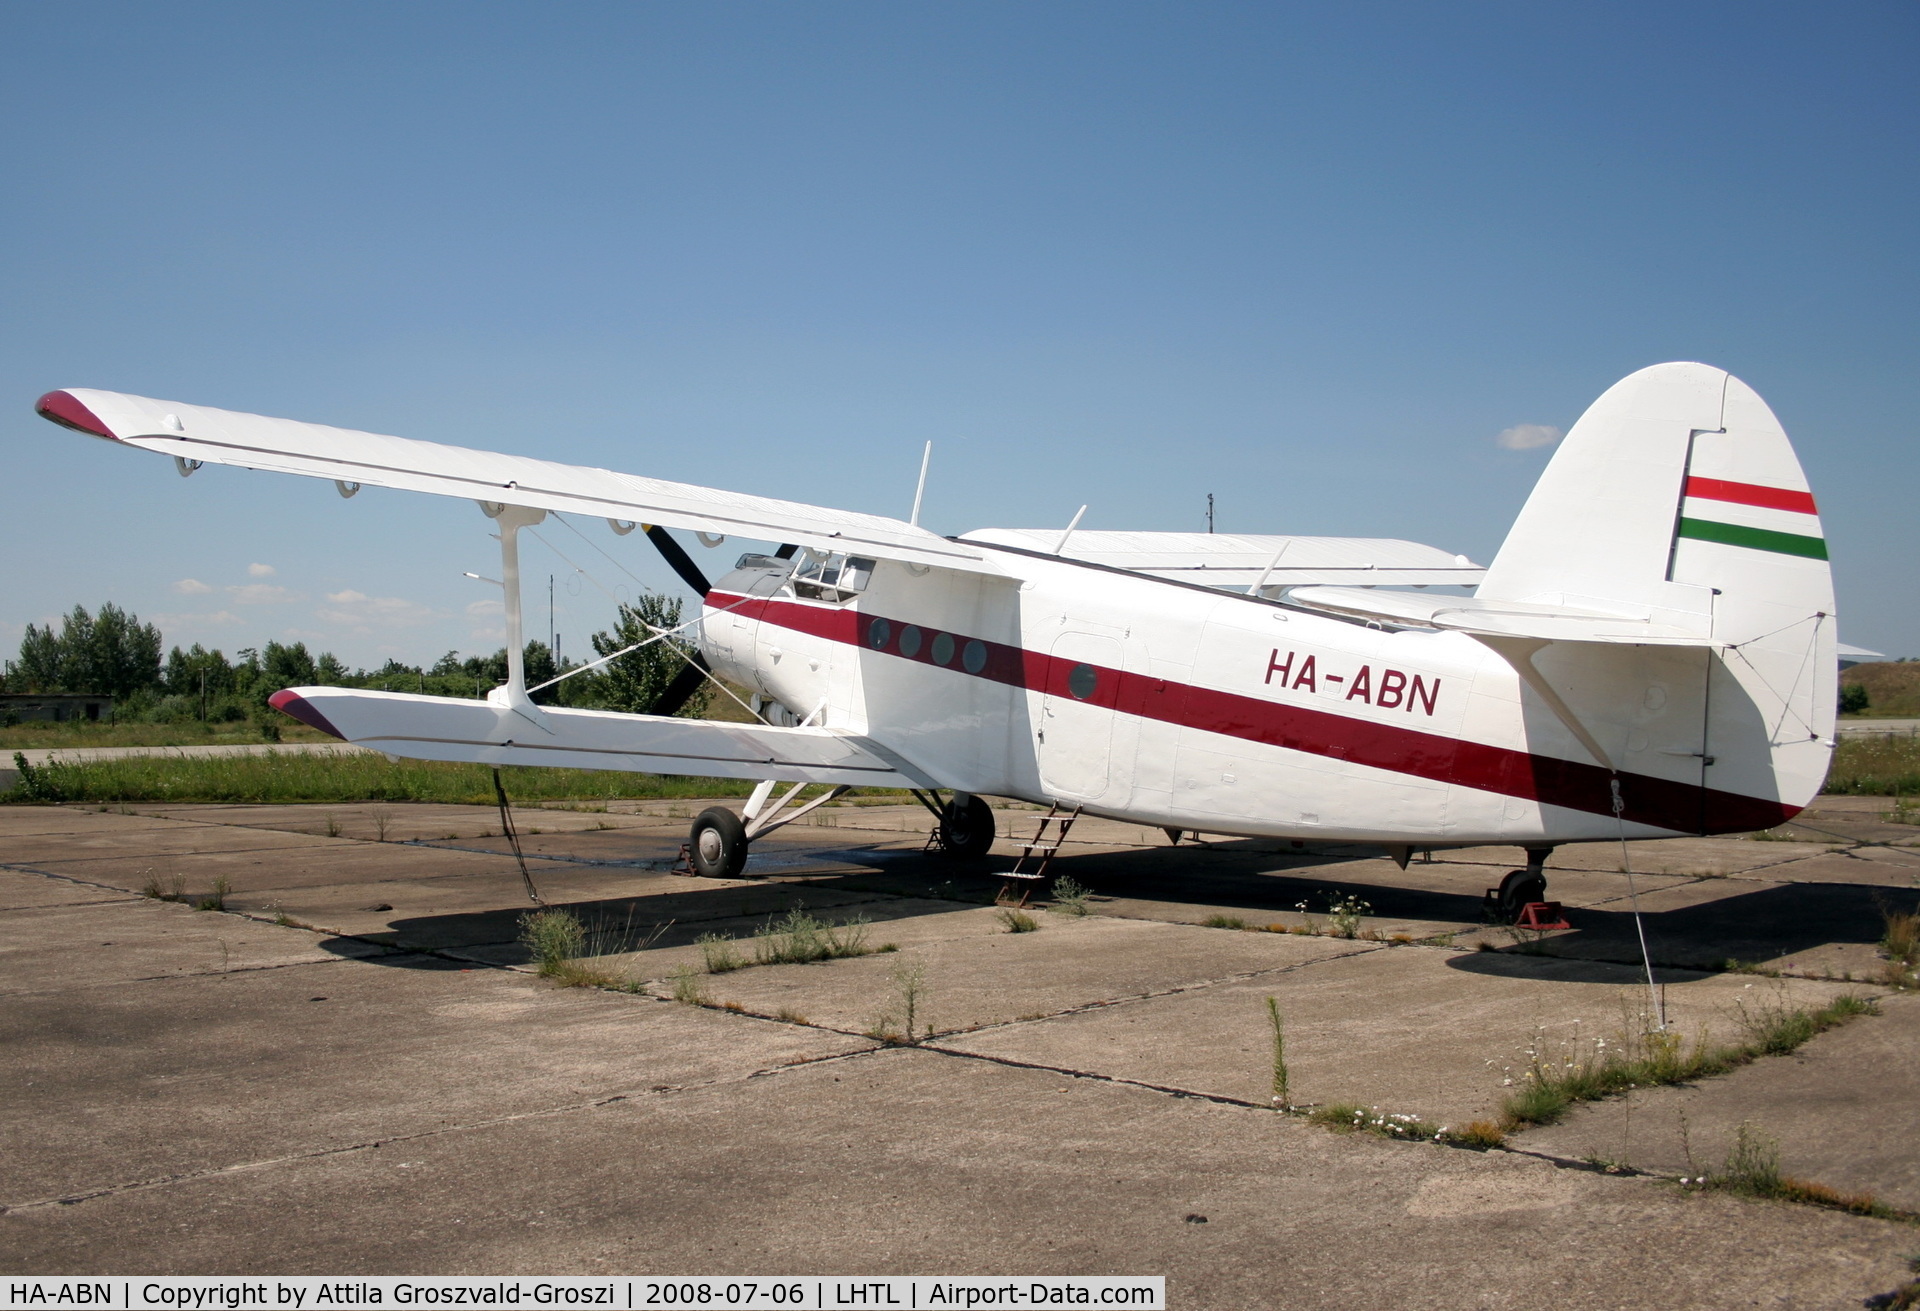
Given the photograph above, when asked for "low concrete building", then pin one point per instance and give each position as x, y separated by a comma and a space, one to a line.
22, 707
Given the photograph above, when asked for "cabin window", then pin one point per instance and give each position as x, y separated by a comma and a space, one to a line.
834, 577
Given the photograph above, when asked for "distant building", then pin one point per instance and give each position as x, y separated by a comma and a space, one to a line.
59, 707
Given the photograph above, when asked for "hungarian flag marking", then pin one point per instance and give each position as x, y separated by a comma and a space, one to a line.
1753, 516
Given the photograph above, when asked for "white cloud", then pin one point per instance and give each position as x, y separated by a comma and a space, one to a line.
478, 608
259, 571
1526, 437
363, 613
261, 594
218, 619
490, 636
191, 587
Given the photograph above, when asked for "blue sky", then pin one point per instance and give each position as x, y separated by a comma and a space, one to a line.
1312, 259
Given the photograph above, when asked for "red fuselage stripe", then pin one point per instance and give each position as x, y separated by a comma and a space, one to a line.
1662, 803
1770, 498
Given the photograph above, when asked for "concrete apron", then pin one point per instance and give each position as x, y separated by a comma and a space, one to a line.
1085, 1081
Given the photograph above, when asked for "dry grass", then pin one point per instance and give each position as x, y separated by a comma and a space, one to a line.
1638, 1057
1876, 766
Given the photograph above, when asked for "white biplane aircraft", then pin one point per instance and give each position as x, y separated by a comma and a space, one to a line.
1651, 652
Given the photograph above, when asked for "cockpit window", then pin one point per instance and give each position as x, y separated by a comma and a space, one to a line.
834, 577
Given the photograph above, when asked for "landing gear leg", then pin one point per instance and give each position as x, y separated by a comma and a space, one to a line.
1520, 886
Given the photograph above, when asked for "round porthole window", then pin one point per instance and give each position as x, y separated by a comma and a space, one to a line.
973, 658
942, 648
1082, 681
910, 641
877, 634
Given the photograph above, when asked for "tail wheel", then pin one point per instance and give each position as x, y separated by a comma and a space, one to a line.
966, 828
1518, 888
717, 847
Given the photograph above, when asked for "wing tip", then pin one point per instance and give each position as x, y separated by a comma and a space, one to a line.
65, 409
288, 701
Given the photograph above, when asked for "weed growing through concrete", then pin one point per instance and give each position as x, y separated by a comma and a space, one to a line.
1901, 946
333, 825
1311, 925
900, 1022
1017, 921
555, 938
1280, 1098
717, 953
382, 817
1223, 922
1345, 913
216, 899
1551, 1083
797, 938
1070, 897
910, 981
171, 888
1350, 1117
687, 987
789, 1016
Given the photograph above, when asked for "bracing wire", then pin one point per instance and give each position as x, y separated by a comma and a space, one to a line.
1657, 998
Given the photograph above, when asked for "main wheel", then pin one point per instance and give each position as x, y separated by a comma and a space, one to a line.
966, 828
1518, 888
717, 847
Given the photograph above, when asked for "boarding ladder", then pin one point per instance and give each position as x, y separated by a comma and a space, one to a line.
1021, 882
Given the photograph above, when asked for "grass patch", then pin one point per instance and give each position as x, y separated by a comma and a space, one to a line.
1549, 1086
717, 953
687, 987
338, 777
1752, 1169
1070, 897
562, 946
216, 899
1223, 922
1017, 921
1875, 767
171, 888
1901, 944
1350, 1117
798, 938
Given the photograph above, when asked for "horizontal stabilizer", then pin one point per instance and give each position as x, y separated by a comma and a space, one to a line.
1479, 616
489, 733
1244, 559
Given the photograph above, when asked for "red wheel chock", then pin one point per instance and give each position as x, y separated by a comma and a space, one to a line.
1542, 915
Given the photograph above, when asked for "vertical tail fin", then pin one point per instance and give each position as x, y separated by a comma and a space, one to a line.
1677, 497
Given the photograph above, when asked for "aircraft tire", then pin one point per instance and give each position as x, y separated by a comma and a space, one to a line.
1519, 887
966, 831
717, 846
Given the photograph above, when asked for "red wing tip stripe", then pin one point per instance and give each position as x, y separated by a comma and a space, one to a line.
289, 702
1770, 498
66, 410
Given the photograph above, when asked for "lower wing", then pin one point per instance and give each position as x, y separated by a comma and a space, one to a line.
489, 733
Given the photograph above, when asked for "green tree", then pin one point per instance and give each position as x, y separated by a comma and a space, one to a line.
1853, 698
635, 681
112, 653
287, 666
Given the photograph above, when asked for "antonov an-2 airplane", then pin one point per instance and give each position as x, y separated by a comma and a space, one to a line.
1651, 652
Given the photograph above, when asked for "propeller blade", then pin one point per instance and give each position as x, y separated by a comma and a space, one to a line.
683, 686
676, 556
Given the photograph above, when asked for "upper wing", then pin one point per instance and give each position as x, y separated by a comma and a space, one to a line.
196, 432
1241, 560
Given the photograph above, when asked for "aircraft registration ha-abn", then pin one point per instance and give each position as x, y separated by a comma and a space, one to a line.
1650, 654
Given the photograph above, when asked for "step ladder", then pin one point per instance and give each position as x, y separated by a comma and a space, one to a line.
1039, 849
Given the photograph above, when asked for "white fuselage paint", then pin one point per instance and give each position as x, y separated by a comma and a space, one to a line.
1206, 682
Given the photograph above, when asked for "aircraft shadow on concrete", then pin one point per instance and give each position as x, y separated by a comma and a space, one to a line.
889, 884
